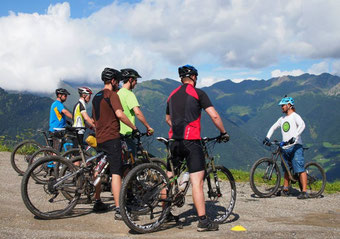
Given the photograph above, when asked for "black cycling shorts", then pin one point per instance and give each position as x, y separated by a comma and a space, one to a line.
113, 148
191, 150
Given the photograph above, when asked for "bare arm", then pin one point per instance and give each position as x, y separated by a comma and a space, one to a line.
67, 113
168, 120
122, 117
215, 117
139, 114
88, 119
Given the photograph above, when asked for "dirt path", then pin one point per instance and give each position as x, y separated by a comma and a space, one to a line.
275, 217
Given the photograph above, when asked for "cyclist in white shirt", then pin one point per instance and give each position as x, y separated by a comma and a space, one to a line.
292, 126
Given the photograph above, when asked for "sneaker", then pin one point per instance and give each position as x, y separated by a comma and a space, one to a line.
118, 216
99, 206
284, 193
303, 195
206, 225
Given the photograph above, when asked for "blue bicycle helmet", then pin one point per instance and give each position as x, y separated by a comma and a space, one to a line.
286, 100
187, 70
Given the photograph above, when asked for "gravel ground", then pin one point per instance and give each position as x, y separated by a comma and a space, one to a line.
276, 217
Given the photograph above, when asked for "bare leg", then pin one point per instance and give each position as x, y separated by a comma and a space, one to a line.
286, 180
98, 188
116, 185
197, 192
303, 180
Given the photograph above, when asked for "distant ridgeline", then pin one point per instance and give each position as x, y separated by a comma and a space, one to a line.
248, 109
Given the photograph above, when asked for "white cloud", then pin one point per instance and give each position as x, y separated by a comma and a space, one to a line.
155, 37
279, 73
319, 68
336, 67
208, 81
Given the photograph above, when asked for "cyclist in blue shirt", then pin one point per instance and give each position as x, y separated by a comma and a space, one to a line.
58, 112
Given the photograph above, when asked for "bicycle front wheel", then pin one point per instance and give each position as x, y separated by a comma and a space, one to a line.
316, 179
143, 198
221, 197
22, 154
265, 177
46, 200
40, 173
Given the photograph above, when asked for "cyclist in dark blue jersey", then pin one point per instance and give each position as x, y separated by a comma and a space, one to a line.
183, 115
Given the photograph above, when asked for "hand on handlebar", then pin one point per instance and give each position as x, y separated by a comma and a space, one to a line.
266, 141
224, 137
150, 131
136, 133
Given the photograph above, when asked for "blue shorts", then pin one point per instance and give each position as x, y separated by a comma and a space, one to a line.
293, 156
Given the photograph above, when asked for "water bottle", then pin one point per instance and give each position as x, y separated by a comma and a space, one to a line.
184, 181
101, 164
100, 168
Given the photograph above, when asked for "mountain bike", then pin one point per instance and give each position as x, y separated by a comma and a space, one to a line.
28, 150
265, 175
59, 189
148, 195
23, 151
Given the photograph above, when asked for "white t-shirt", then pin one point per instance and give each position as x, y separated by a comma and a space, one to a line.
291, 126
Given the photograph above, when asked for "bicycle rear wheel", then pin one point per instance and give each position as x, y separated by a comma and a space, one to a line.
21, 155
143, 197
45, 200
265, 177
316, 179
221, 199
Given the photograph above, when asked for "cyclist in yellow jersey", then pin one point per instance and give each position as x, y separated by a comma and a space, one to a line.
131, 106
80, 115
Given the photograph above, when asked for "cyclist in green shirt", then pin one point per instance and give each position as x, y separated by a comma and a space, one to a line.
131, 106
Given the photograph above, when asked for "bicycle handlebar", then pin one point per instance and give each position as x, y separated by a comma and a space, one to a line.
204, 139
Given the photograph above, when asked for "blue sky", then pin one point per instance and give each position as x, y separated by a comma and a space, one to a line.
44, 41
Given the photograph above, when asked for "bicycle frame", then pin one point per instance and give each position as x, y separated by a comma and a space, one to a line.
183, 166
278, 153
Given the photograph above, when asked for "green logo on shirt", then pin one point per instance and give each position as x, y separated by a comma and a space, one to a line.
286, 126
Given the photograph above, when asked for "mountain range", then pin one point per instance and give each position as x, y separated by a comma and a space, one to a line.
248, 110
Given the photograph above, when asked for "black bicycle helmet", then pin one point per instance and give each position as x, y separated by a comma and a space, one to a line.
129, 73
187, 70
61, 91
108, 74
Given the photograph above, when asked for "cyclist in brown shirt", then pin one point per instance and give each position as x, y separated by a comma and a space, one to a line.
107, 112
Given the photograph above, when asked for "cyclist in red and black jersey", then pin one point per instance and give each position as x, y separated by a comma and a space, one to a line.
183, 115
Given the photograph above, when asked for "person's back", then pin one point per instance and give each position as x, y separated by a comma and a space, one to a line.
185, 105
106, 122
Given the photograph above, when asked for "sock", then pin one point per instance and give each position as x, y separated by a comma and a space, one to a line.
117, 209
285, 188
202, 218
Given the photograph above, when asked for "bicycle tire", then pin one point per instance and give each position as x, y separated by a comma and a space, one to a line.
141, 189
315, 176
261, 185
44, 199
159, 162
21, 154
220, 204
39, 173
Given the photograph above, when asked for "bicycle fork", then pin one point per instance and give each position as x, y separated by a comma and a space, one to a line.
211, 192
